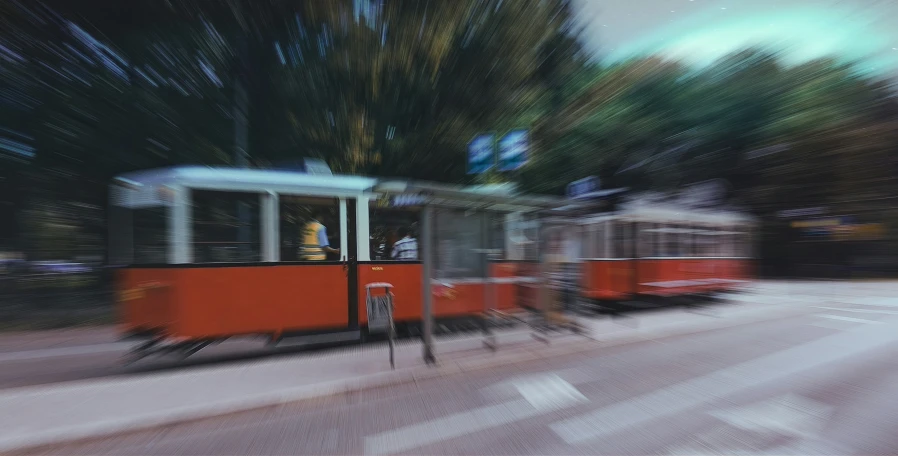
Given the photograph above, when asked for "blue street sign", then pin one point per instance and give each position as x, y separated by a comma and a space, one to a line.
407, 200
582, 186
481, 153
514, 149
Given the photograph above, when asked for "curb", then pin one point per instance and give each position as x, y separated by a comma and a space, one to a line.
569, 345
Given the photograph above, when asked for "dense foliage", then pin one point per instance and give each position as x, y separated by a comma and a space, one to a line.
90, 89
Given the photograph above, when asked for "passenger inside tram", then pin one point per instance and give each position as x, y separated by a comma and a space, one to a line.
406, 248
316, 244
389, 226
310, 229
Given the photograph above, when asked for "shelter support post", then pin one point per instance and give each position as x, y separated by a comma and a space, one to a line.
489, 297
426, 288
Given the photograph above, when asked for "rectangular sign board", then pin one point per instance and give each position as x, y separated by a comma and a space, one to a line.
514, 150
582, 187
481, 153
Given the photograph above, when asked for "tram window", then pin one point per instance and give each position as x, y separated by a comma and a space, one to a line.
387, 227
226, 227
531, 238
670, 243
150, 235
686, 241
514, 242
736, 249
704, 242
296, 213
521, 236
121, 235
658, 238
727, 244
497, 236
699, 241
715, 244
595, 240
647, 241
622, 245
573, 244
744, 245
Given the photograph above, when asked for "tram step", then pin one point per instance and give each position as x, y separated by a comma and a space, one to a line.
312, 339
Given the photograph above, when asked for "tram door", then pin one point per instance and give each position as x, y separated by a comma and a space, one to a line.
350, 262
321, 284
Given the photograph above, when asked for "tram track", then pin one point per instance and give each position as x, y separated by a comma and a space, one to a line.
85, 364
104, 362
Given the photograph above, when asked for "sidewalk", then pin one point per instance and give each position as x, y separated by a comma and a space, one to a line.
15, 341
93, 408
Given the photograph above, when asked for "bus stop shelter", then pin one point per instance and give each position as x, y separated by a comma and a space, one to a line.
482, 243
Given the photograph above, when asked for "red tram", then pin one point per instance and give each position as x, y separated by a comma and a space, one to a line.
646, 250
208, 254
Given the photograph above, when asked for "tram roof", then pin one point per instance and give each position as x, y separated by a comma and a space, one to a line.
484, 197
501, 197
672, 213
239, 179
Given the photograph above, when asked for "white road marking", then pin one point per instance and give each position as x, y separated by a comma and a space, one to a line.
789, 415
550, 393
689, 394
851, 319
452, 426
867, 311
838, 326
574, 376
876, 302
720, 440
541, 395
65, 351
726, 440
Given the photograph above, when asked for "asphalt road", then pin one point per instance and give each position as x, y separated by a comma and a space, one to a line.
825, 382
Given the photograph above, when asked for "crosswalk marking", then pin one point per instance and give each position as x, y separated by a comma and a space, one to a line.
788, 415
542, 394
457, 425
693, 393
867, 311
851, 319
550, 393
875, 302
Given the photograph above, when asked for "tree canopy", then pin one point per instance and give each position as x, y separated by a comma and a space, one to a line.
95, 88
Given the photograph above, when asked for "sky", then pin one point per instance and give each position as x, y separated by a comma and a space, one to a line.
700, 31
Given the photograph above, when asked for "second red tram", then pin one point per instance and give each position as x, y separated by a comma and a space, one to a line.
662, 250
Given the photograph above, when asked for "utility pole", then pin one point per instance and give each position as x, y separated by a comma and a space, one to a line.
241, 124
241, 143
240, 75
